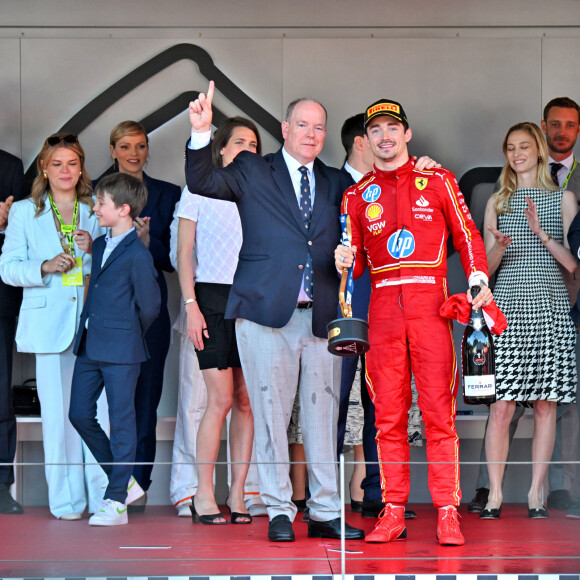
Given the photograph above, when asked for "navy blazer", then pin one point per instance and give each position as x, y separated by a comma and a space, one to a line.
122, 302
574, 241
11, 183
275, 243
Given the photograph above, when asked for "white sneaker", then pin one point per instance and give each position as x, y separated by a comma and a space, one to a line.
257, 509
134, 491
71, 516
184, 511
111, 513
254, 504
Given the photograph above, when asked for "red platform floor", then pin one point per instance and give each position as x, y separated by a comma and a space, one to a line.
158, 543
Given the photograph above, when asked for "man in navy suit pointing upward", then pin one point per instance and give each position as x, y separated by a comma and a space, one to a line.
285, 292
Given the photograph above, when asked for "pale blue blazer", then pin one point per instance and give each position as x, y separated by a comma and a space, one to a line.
50, 312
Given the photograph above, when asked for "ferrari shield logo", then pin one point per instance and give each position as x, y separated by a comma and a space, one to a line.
420, 183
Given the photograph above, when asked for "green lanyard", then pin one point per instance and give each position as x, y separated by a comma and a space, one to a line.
66, 231
563, 186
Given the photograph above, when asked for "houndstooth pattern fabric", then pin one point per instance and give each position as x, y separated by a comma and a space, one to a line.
535, 357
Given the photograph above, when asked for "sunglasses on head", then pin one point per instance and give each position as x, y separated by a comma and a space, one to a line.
55, 140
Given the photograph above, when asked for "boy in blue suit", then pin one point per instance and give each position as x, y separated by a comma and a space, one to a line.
122, 301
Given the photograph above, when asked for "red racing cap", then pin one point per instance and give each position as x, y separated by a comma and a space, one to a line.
386, 107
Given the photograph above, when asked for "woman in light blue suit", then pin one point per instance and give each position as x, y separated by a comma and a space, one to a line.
47, 252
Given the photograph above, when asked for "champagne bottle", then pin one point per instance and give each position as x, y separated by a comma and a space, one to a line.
478, 359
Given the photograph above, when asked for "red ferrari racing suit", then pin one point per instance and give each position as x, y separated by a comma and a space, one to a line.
400, 222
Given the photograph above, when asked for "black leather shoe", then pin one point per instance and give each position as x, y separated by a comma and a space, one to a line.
559, 499
410, 515
490, 514
331, 529
479, 502
372, 508
8, 505
280, 529
306, 515
537, 513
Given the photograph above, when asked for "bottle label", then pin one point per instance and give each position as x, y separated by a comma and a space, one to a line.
480, 386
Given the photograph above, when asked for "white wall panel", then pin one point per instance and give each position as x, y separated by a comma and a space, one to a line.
60, 76
294, 13
10, 96
460, 94
560, 69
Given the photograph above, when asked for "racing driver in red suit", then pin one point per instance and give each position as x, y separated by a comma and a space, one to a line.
400, 220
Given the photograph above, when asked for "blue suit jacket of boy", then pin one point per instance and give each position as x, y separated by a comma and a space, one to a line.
122, 302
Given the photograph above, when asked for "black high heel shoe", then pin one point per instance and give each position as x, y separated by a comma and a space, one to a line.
490, 514
538, 513
355, 506
238, 517
208, 519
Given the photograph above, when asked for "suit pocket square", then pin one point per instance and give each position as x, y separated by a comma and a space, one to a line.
33, 302
123, 324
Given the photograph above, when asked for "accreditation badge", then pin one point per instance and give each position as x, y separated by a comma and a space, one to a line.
74, 277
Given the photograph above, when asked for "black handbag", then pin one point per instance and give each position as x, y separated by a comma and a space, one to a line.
25, 398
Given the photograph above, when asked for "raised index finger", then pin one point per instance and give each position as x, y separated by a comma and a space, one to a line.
209, 97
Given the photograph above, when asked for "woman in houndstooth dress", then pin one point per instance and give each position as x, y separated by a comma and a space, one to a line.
525, 229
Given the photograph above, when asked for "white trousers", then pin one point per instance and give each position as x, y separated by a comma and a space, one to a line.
69, 484
276, 363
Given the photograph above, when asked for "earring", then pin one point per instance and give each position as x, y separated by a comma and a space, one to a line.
44, 175
539, 159
80, 173
115, 165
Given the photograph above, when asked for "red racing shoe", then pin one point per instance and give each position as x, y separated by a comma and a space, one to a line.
448, 532
391, 525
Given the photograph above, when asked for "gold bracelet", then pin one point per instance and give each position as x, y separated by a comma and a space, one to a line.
547, 239
189, 301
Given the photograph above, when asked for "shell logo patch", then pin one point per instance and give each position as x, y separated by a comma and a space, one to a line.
374, 211
421, 183
371, 193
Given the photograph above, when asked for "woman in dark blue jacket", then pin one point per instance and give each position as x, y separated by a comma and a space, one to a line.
129, 147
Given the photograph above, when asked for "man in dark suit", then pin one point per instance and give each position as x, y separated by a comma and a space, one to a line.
561, 126
358, 162
284, 294
11, 189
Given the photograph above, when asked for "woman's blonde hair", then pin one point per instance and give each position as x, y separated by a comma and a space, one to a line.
508, 178
41, 184
127, 129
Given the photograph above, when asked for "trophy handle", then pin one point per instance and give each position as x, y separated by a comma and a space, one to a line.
344, 306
